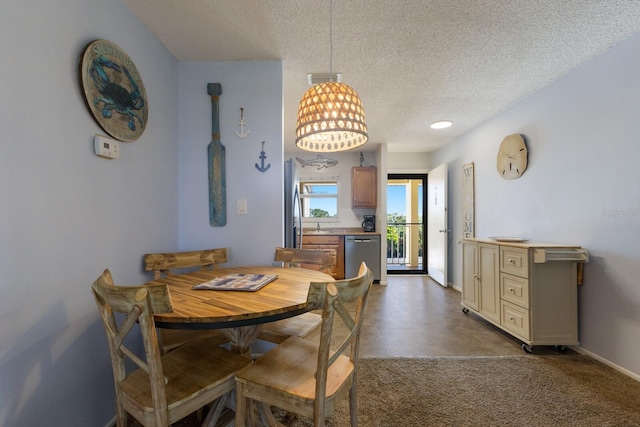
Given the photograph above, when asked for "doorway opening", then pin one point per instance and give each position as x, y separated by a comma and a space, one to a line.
406, 223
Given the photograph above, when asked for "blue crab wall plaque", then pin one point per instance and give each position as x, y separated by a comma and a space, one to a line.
114, 90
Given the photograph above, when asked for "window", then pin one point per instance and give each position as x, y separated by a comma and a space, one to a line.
319, 199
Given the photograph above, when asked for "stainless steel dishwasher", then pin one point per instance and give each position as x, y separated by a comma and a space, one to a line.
358, 248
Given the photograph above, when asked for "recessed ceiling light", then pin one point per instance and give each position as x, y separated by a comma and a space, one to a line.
443, 124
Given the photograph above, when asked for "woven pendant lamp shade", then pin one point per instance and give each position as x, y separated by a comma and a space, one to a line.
330, 118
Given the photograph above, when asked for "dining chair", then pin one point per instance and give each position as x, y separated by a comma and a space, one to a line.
168, 264
163, 388
308, 377
306, 324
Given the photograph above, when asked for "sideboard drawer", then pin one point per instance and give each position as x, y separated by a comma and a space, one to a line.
514, 261
514, 289
515, 319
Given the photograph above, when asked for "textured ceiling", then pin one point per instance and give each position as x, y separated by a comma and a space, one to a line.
412, 61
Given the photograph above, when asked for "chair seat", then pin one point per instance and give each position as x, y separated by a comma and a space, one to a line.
191, 372
291, 368
303, 326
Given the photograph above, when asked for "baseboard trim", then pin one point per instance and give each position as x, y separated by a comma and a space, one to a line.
581, 350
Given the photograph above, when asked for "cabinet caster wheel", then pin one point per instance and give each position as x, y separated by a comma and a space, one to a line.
527, 348
561, 348
465, 310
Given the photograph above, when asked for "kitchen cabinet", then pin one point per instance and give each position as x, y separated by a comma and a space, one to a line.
481, 290
364, 187
529, 290
333, 244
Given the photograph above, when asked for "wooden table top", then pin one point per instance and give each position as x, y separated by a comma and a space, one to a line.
206, 309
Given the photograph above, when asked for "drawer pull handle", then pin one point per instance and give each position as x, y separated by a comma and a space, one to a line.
512, 261
511, 290
513, 319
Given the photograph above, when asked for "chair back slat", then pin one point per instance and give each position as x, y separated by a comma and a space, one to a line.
167, 263
129, 322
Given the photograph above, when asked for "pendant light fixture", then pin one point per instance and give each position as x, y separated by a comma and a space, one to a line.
330, 114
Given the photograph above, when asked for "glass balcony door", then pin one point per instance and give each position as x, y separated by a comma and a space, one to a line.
406, 216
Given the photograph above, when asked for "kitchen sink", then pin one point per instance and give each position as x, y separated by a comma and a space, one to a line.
318, 232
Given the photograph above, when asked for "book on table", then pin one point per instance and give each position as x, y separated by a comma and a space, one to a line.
238, 282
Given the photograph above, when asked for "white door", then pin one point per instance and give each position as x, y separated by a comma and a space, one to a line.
437, 231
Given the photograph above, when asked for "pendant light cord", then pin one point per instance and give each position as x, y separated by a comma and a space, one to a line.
330, 40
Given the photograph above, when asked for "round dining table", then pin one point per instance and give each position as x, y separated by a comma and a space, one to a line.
239, 314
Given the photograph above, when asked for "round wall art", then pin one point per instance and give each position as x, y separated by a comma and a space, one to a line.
114, 90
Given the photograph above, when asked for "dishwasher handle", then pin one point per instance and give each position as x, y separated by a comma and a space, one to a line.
361, 239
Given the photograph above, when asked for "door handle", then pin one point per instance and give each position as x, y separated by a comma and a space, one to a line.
444, 231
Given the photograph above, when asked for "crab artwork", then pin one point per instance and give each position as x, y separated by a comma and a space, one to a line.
114, 96
113, 90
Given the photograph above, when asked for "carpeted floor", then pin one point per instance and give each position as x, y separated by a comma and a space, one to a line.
528, 390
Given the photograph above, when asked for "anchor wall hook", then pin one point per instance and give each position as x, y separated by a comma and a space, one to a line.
242, 134
262, 168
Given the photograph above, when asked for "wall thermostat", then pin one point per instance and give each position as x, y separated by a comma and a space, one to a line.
106, 147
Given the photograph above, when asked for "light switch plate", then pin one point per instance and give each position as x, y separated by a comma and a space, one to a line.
105, 147
242, 206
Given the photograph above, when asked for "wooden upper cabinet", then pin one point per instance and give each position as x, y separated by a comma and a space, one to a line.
364, 187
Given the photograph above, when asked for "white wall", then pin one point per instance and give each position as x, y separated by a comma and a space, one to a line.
348, 216
65, 214
257, 87
581, 187
418, 162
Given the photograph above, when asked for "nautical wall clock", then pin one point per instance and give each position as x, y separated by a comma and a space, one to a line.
512, 157
113, 90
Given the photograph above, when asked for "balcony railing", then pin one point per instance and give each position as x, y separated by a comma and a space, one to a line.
403, 239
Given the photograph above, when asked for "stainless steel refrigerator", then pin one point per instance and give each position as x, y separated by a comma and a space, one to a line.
292, 206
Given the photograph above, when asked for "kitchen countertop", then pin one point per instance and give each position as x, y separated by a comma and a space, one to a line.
525, 243
337, 231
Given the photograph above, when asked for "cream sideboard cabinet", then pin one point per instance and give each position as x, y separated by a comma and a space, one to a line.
527, 289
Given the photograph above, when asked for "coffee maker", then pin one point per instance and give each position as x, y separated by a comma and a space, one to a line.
369, 223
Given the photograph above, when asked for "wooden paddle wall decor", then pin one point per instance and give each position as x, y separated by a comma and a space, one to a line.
217, 163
